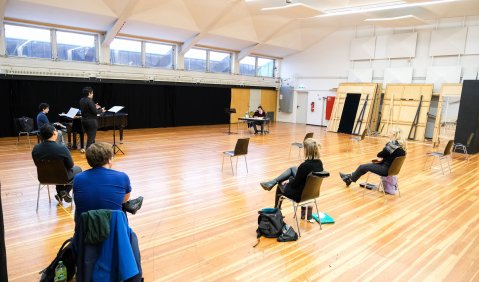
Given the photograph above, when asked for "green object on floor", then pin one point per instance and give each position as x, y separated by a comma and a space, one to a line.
325, 218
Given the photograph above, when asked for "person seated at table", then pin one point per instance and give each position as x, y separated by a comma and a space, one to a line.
259, 113
292, 181
396, 147
42, 119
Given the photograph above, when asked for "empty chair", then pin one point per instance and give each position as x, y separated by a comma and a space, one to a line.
393, 170
51, 172
311, 191
25, 126
442, 155
360, 138
462, 147
300, 145
241, 149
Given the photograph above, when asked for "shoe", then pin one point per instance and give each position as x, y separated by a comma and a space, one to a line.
82, 151
67, 198
59, 199
132, 206
268, 185
346, 178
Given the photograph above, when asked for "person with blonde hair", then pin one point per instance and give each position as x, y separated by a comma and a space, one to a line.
292, 181
396, 147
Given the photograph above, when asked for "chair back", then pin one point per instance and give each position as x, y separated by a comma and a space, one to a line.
448, 148
241, 147
395, 167
312, 188
363, 135
52, 171
24, 124
469, 140
308, 135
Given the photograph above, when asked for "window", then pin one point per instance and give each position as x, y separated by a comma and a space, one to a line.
76, 47
219, 62
159, 55
125, 52
248, 66
25, 41
195, 60
265, 67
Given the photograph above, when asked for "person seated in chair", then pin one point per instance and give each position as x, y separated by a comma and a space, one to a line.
51, 150
260, 113
396, 147
292, 181
102, 187
42, 119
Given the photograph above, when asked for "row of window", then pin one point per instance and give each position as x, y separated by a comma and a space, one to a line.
25, 41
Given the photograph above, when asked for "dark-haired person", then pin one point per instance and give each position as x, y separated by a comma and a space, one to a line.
89, 112
42, 119
51, 150
292, 181
100, 187
259, 113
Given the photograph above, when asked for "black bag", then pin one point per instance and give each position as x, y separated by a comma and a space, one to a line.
65, 254
270, 223
287, 234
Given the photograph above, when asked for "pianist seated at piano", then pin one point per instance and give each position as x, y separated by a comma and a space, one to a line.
260, 113
42, 119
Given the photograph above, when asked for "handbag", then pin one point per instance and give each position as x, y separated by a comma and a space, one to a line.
65, 254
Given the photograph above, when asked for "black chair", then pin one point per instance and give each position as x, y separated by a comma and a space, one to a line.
311, 191
441, 156
300, 145
51, 172
241, 149
25, 126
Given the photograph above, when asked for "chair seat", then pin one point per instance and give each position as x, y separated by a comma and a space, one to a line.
299, 145
229, 153
437, 154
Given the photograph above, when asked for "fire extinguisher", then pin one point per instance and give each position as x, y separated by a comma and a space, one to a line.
312, 106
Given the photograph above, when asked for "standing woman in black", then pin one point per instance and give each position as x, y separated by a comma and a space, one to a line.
89, 111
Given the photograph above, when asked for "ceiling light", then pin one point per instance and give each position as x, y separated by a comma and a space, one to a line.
378, 7
389, 19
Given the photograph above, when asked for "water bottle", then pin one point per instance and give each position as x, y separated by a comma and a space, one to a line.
60, 273
246, 115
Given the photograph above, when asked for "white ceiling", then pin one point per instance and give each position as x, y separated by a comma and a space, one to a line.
230, 24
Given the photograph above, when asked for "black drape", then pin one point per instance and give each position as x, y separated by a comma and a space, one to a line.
148, 105
3, 252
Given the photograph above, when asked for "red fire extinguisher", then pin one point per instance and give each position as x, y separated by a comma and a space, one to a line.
312, 106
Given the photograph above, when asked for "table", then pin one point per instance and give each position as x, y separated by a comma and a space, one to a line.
265, 120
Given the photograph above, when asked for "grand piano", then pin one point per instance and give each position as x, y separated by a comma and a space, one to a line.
105, 122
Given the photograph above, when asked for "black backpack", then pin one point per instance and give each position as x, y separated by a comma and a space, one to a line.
65, 254
270, 223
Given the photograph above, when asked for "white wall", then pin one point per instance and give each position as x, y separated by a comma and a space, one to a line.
326, 64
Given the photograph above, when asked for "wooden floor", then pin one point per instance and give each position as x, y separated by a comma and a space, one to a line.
198, 222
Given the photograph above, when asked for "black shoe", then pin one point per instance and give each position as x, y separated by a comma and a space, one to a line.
268, 185
132, 206
346, 178
67, 198
59, 199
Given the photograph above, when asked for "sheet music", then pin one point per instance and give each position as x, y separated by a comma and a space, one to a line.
71, 113
115, 109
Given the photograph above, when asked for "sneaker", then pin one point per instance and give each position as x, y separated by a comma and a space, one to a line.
132, 206
82, 150
67, 198
346, 178
59, 198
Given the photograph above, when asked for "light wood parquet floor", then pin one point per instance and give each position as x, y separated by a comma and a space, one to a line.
198, 222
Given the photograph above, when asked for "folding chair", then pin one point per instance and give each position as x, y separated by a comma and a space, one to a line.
241, 149
25, 126
300, 145
462, 147
441, 156
393, 170
51, 172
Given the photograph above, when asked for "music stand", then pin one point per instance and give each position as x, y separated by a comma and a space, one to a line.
230, 111
114, 110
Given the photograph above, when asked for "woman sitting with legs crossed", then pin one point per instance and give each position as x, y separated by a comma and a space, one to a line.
292, 181
396, 147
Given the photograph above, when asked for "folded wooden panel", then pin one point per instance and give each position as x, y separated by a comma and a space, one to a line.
441, 130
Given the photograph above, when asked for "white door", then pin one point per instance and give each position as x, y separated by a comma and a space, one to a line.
314, 115
254, 99
301, 107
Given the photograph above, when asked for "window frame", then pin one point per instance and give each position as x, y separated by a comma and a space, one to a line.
96, 37
142, 53
173, 54
5, 23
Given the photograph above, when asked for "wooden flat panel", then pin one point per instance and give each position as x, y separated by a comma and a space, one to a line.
198, 223
448, 90
269, 100
239, 101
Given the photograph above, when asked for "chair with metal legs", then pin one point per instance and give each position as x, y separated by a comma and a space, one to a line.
311, 191
393, 170
51, 172
462, 147
241, 149
441, 156
300, 145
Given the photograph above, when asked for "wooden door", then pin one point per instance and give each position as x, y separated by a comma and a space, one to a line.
269, 101
239, 101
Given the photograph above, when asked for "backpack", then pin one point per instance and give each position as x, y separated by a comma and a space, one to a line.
25, 124
390, 184
65, 254
270, 223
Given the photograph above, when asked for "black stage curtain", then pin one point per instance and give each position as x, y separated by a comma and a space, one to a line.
3, 252
147, 105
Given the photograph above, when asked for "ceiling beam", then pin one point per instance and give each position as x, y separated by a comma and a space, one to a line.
119, 23
3, 5
250, 49
188, 44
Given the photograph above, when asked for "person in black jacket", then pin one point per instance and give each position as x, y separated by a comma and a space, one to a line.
89, 111
49, 149
396, 147
292, 181
260, 113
